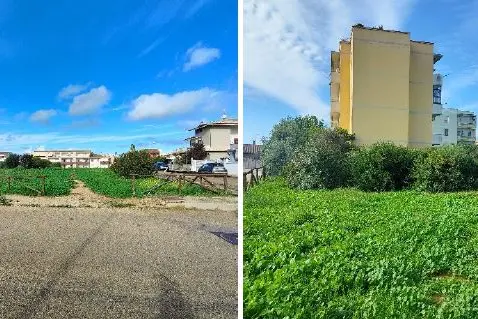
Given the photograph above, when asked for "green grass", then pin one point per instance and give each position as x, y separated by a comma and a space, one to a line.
101, 181
349, 254
26, 181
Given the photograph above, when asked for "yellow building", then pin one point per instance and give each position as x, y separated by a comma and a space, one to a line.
382, 87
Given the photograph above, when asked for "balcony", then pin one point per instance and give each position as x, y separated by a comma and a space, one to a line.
469, 125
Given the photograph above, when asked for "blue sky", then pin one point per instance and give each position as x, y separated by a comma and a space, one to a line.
287, 48
102, 75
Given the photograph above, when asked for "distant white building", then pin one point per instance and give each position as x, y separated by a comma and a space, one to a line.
449, 125
4, 155
75, 158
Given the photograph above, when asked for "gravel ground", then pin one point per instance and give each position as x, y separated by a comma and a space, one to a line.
116, 263
83, 197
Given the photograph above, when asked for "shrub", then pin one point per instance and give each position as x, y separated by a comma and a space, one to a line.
446, 169
382, 167
12, 161
322, 161
133, 162
289, 135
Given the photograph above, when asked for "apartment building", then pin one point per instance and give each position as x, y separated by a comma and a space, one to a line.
218, 137
75, 158
4, 155
453, 126
450, 125
381, 84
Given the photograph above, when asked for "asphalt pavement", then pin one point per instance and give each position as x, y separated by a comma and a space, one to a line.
117, 263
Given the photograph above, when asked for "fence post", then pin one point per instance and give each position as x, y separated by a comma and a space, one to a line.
244, 181
133, 186
257, 174
225, 182
43, 188
180, 180
263, 172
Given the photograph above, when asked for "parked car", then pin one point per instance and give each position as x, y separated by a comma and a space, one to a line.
212, 168
161, 166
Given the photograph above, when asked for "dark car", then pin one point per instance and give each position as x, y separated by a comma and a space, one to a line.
212, 168
161, 166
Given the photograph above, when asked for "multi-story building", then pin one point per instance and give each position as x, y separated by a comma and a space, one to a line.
381, 84
453, 126
75, 158
450, 125
217, 137
4, 155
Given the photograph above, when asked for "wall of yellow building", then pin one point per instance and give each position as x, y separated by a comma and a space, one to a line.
421, 94
344, 93
380, 86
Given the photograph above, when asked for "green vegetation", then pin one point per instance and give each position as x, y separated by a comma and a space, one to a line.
27, 181
101, 181
133, 162
350, 254
312, 156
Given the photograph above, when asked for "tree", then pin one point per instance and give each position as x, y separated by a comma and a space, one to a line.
286, 137
322, 162
26, 161
197, 152
133, 162
12, 161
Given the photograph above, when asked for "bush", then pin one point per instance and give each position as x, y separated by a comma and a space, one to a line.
287, 136
446, 169
322, 161
382, 167
133, 162
12, 161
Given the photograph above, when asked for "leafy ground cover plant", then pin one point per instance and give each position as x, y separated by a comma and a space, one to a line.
350, 254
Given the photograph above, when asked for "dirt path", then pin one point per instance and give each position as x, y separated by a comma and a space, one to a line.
82, 197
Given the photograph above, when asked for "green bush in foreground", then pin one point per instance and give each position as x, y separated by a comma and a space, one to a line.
350, 254
446, 169
382, 167
321, 162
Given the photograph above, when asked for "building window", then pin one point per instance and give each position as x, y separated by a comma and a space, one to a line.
469, 133
446, 120
446, 132
236, 141
437, 94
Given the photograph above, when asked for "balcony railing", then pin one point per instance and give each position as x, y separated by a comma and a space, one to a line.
437, 139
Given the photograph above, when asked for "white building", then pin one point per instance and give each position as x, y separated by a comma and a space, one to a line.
217, 137
449, 125
75, 158
3, 156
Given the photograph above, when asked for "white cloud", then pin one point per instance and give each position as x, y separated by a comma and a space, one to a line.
90, 102
287, 44
43, 116
72, 89
158, 105
199, 55
14, 140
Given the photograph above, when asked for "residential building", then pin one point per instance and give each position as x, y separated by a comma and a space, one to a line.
453, 126
75, 158
252, 156
4, 155
381, 84
101, 161
450, 125
217, 137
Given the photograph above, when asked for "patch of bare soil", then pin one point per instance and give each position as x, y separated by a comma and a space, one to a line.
82, 197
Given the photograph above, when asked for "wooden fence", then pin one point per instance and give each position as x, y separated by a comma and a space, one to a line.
255, 177
181, 178
10, 180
